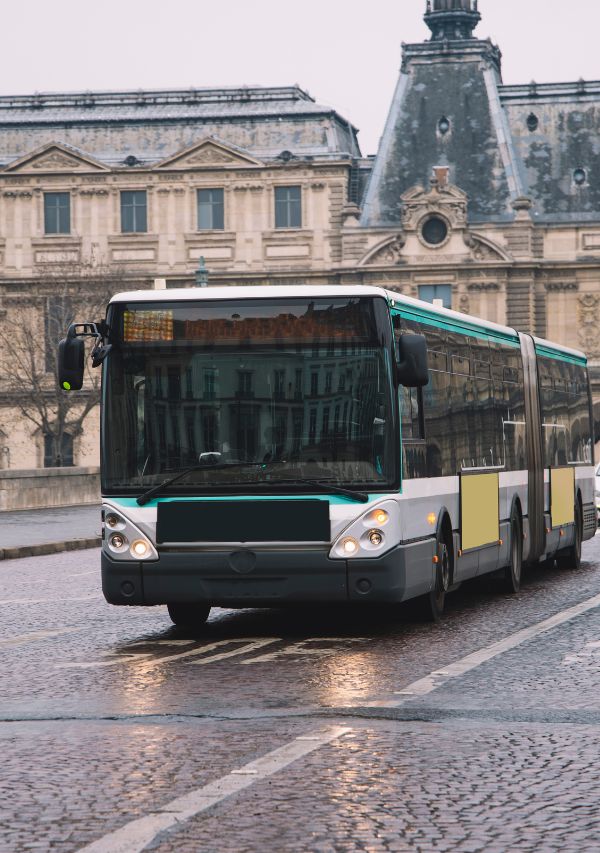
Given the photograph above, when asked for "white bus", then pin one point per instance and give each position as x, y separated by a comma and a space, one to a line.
268, 445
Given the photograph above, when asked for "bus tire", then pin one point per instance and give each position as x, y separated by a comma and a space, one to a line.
186, 615
432, 604
571, 558
514, 570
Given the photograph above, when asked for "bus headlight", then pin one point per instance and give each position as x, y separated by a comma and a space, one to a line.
117, 541
140, 549
376, 538
349, 546
122, 540
370, 535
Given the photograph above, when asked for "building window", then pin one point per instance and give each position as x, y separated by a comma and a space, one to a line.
134, 218
288, 207
434, 231
437, 294
58, 454
57, 213
245, 383
210, 384
211, 210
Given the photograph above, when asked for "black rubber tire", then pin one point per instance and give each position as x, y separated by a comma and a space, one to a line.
188, 615
431, 606
571, 558
513, 572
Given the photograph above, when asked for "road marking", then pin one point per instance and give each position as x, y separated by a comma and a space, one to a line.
137, 834
148, 661
439, 677
591, 651
48, 600
249, 647
81, 574
21, 639
303, 648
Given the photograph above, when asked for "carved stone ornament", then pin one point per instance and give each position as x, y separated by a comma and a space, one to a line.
444, 199
464, 304
481, 250
560, 286
588, 305
56, 160
208, 155
390, 253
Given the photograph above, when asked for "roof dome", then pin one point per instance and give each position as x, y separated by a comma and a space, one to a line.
452, 19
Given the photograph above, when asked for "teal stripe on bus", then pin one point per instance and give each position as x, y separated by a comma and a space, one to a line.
333, 499
560, 356
423, 316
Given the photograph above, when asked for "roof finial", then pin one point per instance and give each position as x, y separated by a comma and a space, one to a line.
452, 19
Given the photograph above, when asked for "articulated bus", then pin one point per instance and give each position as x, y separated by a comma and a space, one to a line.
271, 445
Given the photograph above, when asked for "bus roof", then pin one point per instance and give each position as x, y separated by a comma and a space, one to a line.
399, 300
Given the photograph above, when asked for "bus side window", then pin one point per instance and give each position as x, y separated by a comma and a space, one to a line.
411, 413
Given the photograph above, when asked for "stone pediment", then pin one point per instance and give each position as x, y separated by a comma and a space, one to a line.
442, 197
483, 249
207, 154
55, 157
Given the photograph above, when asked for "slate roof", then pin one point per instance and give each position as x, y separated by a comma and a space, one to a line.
152, 124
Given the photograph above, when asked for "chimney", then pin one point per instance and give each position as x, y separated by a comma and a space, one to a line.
440, 174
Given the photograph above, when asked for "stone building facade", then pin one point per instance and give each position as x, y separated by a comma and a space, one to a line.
483, 196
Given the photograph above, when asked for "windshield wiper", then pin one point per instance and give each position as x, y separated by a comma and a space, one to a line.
147, 496
321, 485
324, 486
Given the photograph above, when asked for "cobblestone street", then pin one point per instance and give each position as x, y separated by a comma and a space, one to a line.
303, 730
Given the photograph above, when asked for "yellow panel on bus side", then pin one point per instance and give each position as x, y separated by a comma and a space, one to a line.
562, 496
479, 510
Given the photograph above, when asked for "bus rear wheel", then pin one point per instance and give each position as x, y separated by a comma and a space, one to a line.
188, 615
512, 573
571, 558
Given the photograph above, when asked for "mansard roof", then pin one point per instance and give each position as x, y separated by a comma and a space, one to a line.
500, 143
153, 125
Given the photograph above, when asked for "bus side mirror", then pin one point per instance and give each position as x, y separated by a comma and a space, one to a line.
412, 370
71, 351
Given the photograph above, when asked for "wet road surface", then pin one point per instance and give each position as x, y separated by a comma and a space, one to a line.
305, 729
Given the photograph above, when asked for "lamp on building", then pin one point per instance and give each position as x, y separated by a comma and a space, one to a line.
201, 273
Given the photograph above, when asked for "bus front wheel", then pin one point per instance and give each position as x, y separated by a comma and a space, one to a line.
188, 615
432, 604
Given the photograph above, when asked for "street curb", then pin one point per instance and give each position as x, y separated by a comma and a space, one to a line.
49, 548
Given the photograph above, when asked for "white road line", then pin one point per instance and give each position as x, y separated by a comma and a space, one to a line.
137, 834
21, 639
304, 648
146, 661
97, 597
250, 647
439, 677
81, 574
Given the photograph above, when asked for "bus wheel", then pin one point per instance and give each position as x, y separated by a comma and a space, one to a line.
571, 558
512, 573
432, 604
188, 615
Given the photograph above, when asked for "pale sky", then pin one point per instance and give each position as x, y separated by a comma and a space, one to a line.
346, 53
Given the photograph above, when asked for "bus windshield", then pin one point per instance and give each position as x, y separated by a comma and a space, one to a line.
259, 391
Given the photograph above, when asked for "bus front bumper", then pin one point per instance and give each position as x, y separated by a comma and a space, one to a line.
266, 578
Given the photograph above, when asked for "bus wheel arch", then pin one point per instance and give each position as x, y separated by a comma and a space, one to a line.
432, 603
570, 558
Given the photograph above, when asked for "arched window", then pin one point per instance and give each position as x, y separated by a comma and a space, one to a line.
58, 454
